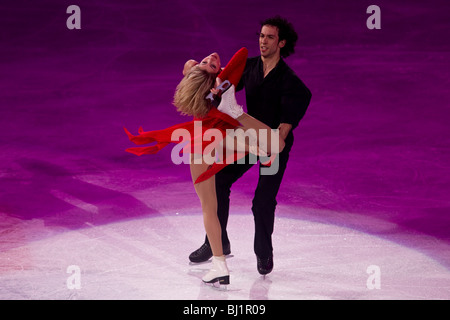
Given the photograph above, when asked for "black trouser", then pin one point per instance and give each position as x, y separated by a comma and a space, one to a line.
264, 201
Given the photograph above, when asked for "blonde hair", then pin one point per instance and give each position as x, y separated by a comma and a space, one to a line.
190, 94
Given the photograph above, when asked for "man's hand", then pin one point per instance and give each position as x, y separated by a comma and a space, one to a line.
284, 129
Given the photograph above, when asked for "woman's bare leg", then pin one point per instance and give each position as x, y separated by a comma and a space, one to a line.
272, 142
206, 191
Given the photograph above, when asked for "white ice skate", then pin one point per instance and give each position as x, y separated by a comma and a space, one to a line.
229, 104
219, 272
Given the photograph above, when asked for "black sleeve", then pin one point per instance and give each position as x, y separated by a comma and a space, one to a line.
294, 101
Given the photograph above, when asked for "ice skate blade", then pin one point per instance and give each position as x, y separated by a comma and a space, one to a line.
199, 263
225, 280
224, 86
216, 286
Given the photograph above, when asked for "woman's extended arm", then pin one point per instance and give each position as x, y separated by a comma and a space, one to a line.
188, 66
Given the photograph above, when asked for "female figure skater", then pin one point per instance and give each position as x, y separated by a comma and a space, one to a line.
201, 79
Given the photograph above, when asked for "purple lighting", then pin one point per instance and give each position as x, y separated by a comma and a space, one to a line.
367, 182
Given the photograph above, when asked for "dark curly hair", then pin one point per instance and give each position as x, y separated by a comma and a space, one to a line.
285, 32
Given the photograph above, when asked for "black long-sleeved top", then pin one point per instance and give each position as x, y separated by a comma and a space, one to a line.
280, 97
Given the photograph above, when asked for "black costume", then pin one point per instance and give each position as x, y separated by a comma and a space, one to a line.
280, 97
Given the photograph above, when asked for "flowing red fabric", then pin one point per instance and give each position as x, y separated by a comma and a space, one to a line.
213, 120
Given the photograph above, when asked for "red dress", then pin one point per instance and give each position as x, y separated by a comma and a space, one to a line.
214, 119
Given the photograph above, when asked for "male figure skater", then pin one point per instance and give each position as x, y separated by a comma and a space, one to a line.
278, 98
